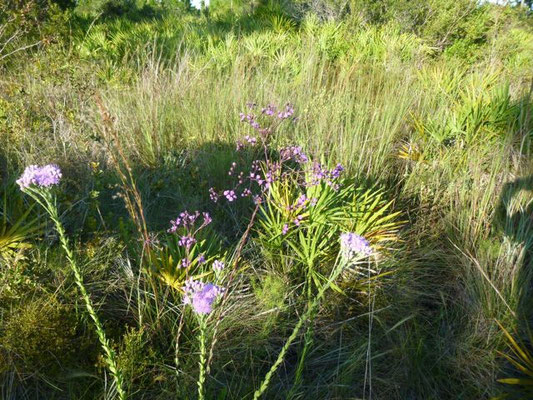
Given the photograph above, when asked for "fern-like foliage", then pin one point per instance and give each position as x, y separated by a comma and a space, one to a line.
520, 356
298, 237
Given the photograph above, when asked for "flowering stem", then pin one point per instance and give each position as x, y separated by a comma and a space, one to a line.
110, 356
203, 356
236, 260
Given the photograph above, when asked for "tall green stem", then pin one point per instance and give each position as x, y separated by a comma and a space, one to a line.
110, 356
203, 356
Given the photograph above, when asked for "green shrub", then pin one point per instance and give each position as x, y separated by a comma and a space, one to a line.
40, 336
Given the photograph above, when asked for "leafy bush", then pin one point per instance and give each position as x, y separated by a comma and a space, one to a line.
40, 336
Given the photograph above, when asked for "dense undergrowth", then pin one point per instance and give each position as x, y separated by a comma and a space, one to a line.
408, 123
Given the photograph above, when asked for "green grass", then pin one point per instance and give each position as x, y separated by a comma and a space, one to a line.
441, 122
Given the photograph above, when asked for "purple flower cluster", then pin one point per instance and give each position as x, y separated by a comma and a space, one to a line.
254, 176
187, 241
213, 195
354, 246
230, 195
201, 296
321, 174
250, 119
270, 110
262, 173
45, 176
294, 153
187, 225
287, 112
187, 221
250, 139
269, 118
297, 221
218, 265
302, 203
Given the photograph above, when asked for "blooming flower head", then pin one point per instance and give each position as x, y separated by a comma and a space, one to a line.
319, 174
187, 241
289, 111
250, 139
354, 246
207, 218
45, 176
201, 296
230, 195
269, 110
337, 171
293, 153
185, 263
213, 195
218, 265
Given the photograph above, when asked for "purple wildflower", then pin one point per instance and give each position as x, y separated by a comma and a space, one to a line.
285, 229
185, 263
322, 174
187, 219
319, 172
300, 203
230, 195
207, 218
232, 168
201, 259
337, 171
269, 110
45, 176
218, 265
187, 241
293, 153
213, 195
354, 245
250, 139
289, 111
298, 220
174, 225
201, 296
